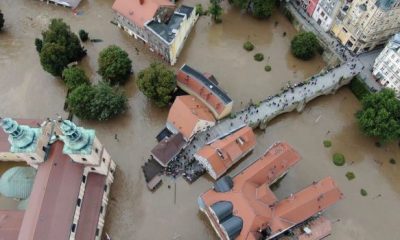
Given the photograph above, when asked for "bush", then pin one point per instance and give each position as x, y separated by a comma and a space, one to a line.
304, 45
392, 161
157, 83
114, 65
267, 68
248, 46
83, 35
363, 192
327, 143
350, 176
259, 57
199, 9
359, 88
338, 159
74, 77
100, 102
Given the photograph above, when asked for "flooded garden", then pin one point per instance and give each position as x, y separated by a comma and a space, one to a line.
26, 91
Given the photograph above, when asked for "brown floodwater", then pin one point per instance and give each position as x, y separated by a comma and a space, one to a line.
172, 213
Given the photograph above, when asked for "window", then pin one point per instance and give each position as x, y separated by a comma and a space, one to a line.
78, 202
93, 168
73, 227
84, 159
104, 160
101, 209
105, 188
96, 150
97, 232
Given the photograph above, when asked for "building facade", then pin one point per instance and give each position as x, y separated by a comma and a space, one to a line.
325, 12
364, 25
311, 6
387, 65
157, 23
70, 193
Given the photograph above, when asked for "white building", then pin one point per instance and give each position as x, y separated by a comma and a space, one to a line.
387, 65
325, 12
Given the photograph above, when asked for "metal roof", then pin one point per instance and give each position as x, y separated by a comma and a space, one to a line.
17, 182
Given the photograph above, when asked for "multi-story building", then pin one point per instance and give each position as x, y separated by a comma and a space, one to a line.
387, 65
70, 192
363, 25
157, 23
325, 12
311, 6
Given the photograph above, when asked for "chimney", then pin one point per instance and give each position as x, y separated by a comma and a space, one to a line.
141, 2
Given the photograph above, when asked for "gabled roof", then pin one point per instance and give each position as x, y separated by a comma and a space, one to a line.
223, 153
168, 148
186, 112
256, 204
140, 11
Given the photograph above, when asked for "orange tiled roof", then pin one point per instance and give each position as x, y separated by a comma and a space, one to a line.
186, 112
223, 153
139, 11
257, 207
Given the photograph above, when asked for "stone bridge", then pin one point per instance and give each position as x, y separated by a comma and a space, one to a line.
259, 114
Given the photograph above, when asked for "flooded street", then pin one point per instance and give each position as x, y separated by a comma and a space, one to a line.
171, 213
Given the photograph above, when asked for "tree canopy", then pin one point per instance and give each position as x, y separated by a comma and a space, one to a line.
157, 83
380, 115
74, 77
114, 65
215, 10
63, 47
258, 8
1, 20
100, 102
304, 45
53, 58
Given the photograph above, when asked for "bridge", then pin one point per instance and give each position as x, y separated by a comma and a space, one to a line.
293, 97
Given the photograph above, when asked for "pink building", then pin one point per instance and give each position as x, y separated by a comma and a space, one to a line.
312, 5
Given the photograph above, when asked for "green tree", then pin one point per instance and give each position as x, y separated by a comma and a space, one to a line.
380, 115
60, 33
262, 8
100, 102
242, 4
83, 35
304, 45
215, 10
38, 44
1, 20
108, 101
114, 65
53, 58
157, 83
74, 77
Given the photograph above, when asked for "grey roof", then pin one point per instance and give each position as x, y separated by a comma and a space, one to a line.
385, 4
168, 148
233, 226
166, 30
185, 10
224, 184
207, 82
222, 209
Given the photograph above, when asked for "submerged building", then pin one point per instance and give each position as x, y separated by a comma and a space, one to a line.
363, 25
387, 65
245, 208
158, 23
70, 192
205, 89
218, 156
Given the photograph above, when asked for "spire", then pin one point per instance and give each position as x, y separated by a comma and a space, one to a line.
22, 138
77, 140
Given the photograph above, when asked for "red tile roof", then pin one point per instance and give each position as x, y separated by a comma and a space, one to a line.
224, 153
186, 112
10, 224
90, 208
53, 199
257, 206
139, 11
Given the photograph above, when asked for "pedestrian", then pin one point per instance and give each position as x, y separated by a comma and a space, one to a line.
116, 138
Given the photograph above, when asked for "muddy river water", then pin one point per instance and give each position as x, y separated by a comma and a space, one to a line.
171, 213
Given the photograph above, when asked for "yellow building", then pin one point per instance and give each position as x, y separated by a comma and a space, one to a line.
363, 25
